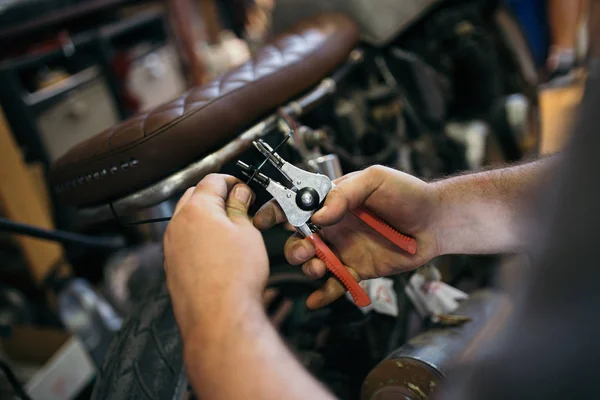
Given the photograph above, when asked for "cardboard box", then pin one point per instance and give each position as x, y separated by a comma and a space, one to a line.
66, 366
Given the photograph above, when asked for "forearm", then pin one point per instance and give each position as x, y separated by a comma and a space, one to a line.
239, 355
484, 213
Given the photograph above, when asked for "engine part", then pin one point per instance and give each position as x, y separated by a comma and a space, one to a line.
130, 273
313, 138
419, 369
86, 314
517, 114
351, 119
421, 84
15, 309
328, 165
473, 135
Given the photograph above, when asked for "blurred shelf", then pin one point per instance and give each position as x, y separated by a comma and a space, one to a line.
58, 17
80, 40
54, 91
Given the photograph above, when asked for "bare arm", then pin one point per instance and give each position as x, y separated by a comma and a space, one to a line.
217, 268
480, 213
485, 213
242, 357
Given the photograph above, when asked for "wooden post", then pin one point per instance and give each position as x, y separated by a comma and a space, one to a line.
181, 14
211, 19
20, 201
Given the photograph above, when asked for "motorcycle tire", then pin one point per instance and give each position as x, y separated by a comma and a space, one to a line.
148, 342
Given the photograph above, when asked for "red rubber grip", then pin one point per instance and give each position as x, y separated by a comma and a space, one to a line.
339, 271
404, 242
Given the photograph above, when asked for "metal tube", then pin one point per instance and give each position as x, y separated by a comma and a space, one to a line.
328, 165
418, 369
69, 84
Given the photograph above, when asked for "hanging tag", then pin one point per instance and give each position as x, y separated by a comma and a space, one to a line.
382, 294
431, 297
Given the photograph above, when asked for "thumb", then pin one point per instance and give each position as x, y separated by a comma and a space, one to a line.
351, 191
238, 202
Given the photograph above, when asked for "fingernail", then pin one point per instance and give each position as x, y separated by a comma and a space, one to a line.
301, 253
243, 193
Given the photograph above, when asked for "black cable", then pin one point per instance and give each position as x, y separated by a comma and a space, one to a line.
14, 382
126, 224
60, 236
262, 164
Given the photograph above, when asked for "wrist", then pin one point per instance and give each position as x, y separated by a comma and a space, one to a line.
212, 312
476, 214
219, 326
441, 221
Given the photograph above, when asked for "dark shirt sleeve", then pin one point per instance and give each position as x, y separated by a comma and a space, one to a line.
550, 346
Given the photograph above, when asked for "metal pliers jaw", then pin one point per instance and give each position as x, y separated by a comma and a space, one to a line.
308, 189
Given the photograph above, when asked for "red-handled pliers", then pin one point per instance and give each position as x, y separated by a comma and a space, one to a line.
306, 196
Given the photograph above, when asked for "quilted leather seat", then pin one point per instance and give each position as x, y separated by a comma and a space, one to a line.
153, 145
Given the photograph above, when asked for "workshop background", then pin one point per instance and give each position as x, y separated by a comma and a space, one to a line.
72, 68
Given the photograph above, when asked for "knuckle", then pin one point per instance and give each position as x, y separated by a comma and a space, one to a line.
207, 178
376, 170
337, 195
268, 212
307, 269
336, 192
213, 175
315, 268
236, 206
288, 248
190, 212
289, 251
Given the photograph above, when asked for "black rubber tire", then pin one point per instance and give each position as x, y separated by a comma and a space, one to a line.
145, 359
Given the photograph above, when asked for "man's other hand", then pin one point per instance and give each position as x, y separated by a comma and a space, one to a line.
403, 201
215, 259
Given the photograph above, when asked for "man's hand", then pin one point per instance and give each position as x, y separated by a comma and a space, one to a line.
215, 259
480, 213
405, 202
217, 269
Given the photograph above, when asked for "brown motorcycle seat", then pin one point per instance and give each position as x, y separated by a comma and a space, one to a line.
152, 145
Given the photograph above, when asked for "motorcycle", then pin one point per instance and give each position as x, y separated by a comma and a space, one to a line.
429, 87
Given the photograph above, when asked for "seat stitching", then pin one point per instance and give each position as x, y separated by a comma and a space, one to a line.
185, 99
